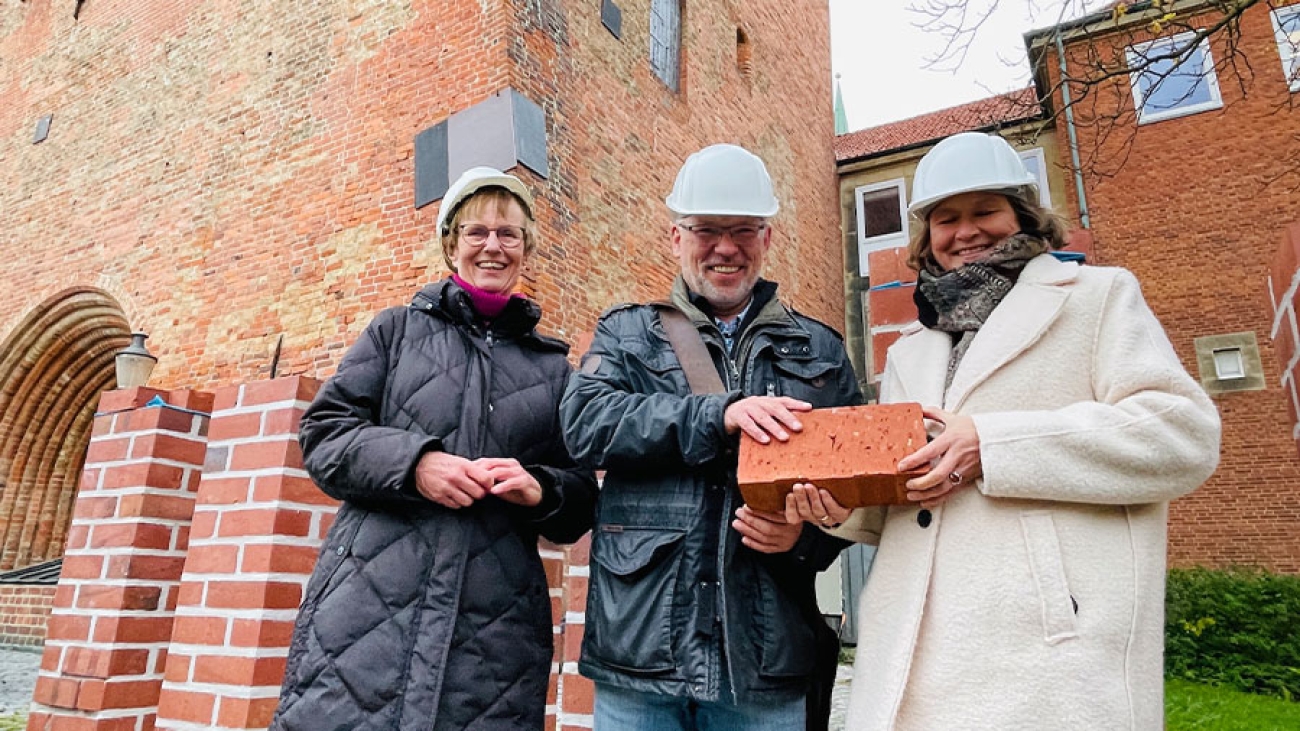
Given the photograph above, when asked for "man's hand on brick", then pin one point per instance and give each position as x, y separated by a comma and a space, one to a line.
765, 417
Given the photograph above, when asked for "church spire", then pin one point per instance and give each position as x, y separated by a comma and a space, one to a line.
841, 119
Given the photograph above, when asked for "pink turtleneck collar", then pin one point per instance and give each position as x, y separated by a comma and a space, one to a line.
488, 304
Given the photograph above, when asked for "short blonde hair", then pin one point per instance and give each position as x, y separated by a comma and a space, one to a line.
476, 204
1034, 220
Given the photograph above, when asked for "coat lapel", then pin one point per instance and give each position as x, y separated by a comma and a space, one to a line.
1031, 306
922, 364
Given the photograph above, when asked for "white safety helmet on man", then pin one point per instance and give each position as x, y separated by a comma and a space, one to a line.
966, 163
723, 180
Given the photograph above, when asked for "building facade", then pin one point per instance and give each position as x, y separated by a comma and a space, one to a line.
239, 181
250, 183
1184, 173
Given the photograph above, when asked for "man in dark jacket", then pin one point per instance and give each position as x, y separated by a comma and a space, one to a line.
701, 612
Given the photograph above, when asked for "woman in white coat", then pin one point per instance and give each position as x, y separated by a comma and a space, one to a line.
1023, 588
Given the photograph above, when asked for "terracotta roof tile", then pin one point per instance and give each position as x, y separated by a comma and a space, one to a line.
1010, 107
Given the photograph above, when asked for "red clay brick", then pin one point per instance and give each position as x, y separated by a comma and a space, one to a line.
264, 522
264, 633
107, 450
225, 427
191, 400
150, 505
880, 342
892, 306
253, 595
158, 418
223, 490
239, 671
152, 568
127, 398
191, 630
850, 451
264, 454
294, 388
183, 705
212, 559
289, 488
132, 629
278, 558
889, 265
169, 447
143, 474
252, 713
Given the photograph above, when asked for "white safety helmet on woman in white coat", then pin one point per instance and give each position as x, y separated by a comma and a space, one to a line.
966, 163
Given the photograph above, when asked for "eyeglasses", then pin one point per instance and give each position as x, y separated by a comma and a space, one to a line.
476, 234
743, 235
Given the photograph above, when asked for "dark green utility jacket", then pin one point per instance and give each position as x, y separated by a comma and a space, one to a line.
672, 590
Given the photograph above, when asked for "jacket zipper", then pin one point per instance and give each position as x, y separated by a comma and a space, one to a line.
487, 389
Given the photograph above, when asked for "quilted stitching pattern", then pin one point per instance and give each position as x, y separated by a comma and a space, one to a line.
416, 616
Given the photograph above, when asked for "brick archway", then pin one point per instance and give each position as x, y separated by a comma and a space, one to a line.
53, 367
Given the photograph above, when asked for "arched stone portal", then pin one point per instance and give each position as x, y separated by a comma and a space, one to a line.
53, 367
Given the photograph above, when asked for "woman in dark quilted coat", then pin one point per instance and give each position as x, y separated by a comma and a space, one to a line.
428, 607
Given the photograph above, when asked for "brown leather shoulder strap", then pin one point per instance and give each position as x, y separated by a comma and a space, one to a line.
701, 374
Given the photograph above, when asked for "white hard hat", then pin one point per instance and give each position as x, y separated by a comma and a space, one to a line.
966, 163
723, 180
472, 181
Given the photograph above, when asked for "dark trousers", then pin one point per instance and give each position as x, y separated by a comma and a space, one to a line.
822, 683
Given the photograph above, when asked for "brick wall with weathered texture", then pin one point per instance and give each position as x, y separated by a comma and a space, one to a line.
25, 611
235, 172
1196, 211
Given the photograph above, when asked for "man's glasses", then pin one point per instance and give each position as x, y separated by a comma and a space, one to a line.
477, 234
742, 235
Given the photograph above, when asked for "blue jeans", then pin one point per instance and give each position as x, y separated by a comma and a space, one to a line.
618, 709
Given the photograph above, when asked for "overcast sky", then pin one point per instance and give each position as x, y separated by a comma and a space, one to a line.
881, 55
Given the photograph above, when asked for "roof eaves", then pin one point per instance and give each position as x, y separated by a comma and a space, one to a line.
1002, 124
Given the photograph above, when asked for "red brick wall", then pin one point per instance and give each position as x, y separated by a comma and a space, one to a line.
621, 134
1193, 214
24, 610
231, 174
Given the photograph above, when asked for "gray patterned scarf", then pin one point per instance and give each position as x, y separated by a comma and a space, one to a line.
961, 299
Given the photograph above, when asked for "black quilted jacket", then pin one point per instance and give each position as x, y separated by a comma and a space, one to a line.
417, 616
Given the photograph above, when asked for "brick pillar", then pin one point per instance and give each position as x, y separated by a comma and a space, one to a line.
106, 642
258, 526
553, 560
575, 691
890, 305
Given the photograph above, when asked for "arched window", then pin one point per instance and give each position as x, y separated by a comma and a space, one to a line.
666, 41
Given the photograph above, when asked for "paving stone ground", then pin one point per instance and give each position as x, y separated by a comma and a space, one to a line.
840, 697
18, 677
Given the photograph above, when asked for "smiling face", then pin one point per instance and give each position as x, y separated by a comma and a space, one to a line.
489, 265
965, 227
721, 258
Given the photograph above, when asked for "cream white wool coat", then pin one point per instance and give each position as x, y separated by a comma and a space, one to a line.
1035, 598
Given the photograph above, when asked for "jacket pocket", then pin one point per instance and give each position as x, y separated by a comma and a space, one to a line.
334, 554
786, 643
1048, 570
656, 370
805, 378
631, 596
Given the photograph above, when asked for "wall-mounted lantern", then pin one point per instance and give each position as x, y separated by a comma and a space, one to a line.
134, 363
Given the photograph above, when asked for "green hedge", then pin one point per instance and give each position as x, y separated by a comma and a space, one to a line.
1238, 629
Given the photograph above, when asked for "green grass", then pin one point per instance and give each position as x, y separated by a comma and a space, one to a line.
13, 722
1194, 707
